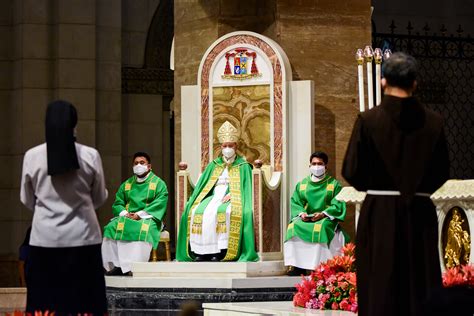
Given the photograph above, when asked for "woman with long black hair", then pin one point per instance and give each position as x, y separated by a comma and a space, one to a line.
63, 184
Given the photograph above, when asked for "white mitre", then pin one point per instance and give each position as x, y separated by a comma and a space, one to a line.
228, 133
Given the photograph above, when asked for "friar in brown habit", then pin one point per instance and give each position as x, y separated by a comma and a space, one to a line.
398, 155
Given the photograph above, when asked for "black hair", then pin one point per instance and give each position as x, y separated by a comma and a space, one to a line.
61, 118
142, 154
321, 155
400, 70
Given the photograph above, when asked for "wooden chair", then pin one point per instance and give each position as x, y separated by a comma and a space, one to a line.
164, 238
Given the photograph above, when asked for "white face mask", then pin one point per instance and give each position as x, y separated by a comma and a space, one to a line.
317, 171
228, 152
140, 169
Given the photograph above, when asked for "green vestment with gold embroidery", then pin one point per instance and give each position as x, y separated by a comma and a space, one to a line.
150, 196
241, 245
316, 197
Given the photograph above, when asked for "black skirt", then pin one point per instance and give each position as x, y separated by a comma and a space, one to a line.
66, 281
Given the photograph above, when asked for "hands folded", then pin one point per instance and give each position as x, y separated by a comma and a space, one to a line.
226, 198
312, 218
133, 216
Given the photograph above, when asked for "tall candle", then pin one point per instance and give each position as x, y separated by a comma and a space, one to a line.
378, 75
360, 69
369, 56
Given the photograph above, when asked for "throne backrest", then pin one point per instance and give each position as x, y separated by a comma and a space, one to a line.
247, 108
242, 79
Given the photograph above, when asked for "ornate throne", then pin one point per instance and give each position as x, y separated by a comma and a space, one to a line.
245, 78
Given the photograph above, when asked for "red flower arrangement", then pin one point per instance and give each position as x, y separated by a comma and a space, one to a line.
459, 276
332, 285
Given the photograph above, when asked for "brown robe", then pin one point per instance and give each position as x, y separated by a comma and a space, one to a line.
398, 146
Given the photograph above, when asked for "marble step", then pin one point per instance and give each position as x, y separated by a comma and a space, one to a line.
12, 299
208, 269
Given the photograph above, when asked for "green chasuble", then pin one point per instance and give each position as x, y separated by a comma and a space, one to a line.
241, 245
316, 197
150, 196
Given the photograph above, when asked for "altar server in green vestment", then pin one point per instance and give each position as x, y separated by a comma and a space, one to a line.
217, 223
139, 208
314, 234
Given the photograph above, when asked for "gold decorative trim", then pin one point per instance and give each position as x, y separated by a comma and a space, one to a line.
210, 184
221, 227
317, 229
235, 215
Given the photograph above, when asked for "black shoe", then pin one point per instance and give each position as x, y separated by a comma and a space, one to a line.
222, 253
295, 271
215, 259
199, 258
114, 271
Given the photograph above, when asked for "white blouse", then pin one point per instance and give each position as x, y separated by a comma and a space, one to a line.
64, 205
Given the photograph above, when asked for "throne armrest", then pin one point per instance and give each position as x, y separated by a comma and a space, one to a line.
266, 202
184, 189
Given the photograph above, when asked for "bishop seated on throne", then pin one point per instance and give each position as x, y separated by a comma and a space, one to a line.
217, 222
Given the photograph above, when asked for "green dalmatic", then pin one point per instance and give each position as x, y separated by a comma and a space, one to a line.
150, 196
315, 197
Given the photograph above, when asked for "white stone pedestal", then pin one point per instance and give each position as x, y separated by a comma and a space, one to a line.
351, 195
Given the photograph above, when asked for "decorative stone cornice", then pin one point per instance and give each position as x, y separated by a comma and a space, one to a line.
455, 190
451, 190
349, 194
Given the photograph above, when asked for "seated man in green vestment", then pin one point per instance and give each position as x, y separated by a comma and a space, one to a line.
217, 222
139, 208
314, 235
